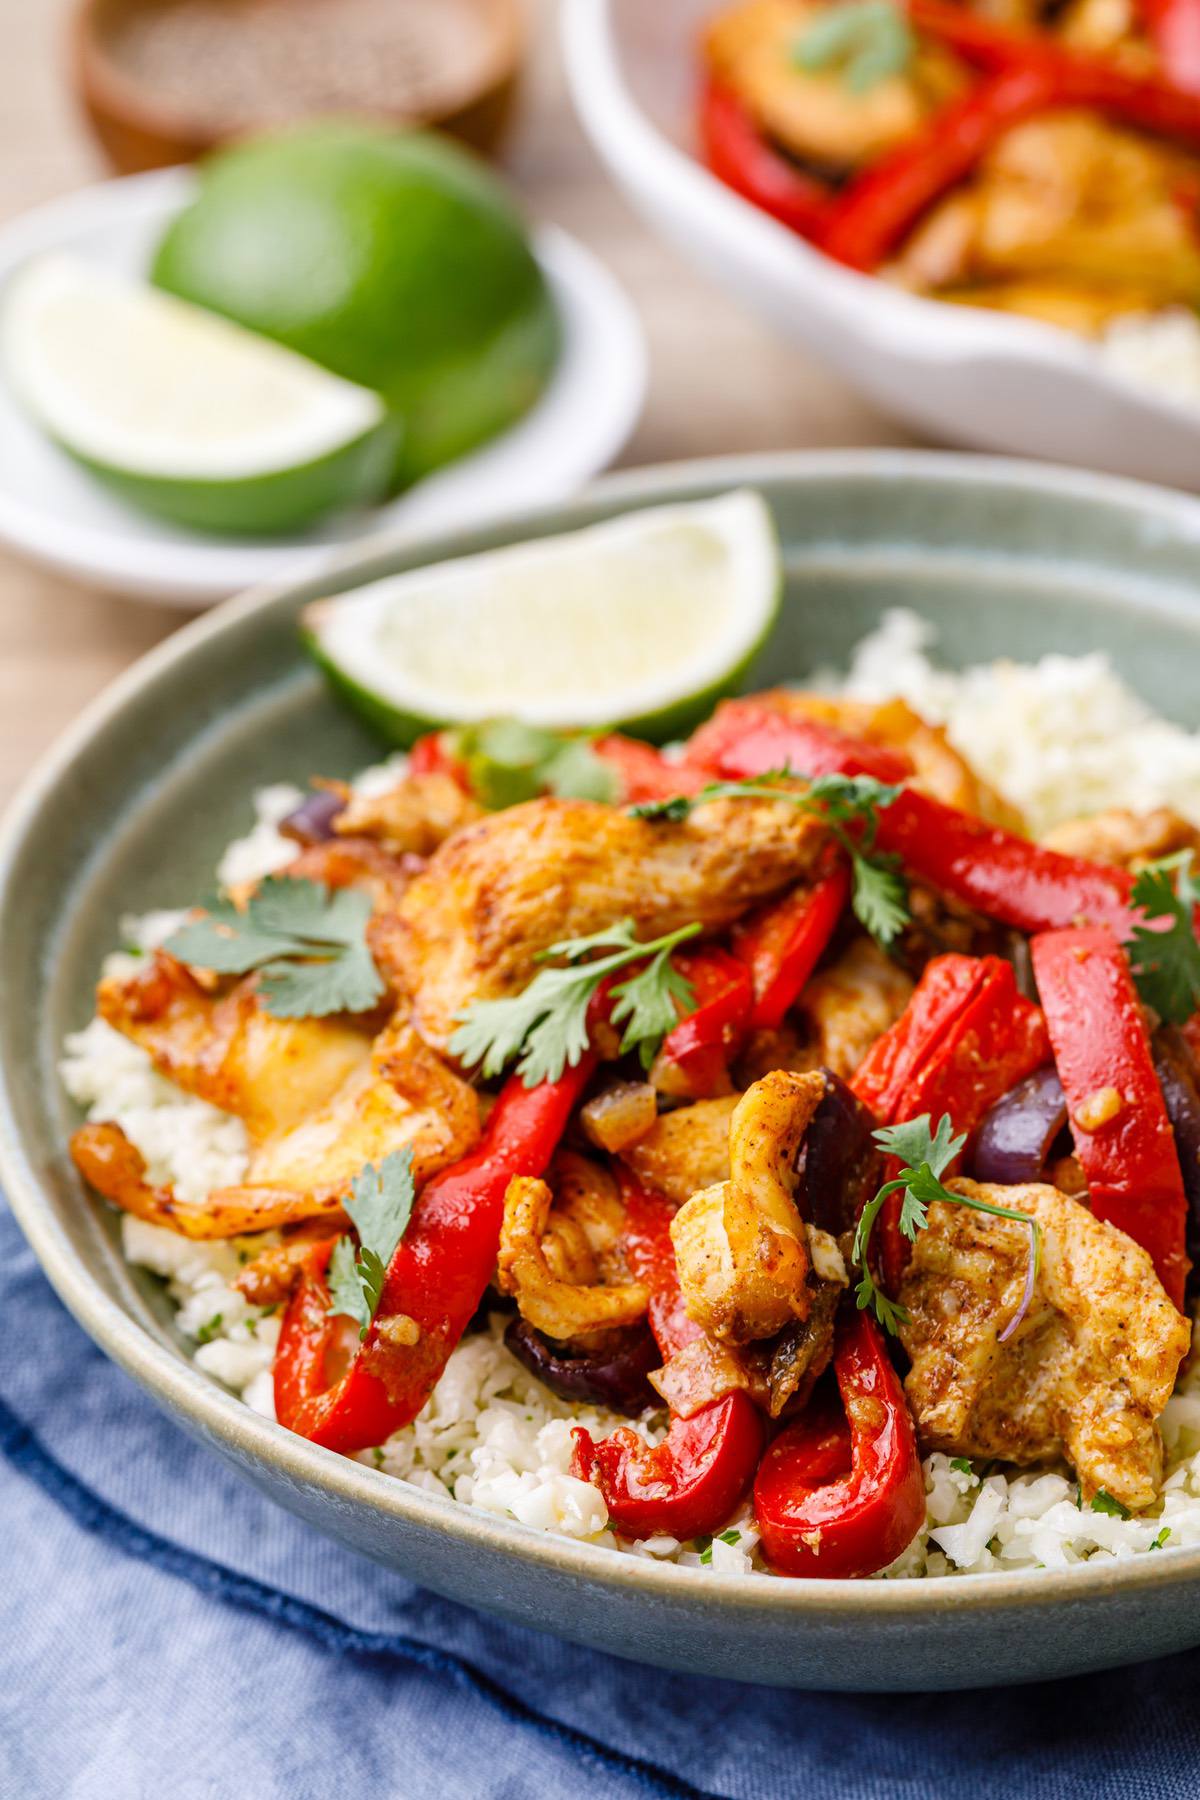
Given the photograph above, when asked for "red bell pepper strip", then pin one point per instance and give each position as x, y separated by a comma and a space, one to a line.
966, 1037
701, 1044
745, 738
1122, 1135
432, 755
993, 871
781, 943
1000, 875
643, 773
842, 1494
1174, 29
434, 1283
739, 155
691, 1482
872, 216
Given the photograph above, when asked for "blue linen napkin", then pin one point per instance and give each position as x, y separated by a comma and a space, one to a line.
166, 1630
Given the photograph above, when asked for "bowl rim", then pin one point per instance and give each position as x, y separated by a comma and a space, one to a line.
103, 80
910, 325
218, 1416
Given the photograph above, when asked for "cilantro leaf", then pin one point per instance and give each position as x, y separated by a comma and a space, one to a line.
546, 1025
380, 1206
508, 762
1159, 1542
308, 943
927, 1155
1166, 963
1103, 1502
864, 41
879, 895
912, 1143
962, 1465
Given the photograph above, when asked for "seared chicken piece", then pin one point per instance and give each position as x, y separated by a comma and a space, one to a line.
1086, 1373
752, 49
1127, 838
852, 1003
1065, 204
550, 1257
498, 893
273, 1073
116, 1168
413, 817
684, 1150
402, 1098
741, 1246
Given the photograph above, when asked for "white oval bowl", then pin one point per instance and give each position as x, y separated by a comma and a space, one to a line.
962, 374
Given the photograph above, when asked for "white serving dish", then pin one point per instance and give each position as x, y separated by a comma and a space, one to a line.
962, 374
55, 513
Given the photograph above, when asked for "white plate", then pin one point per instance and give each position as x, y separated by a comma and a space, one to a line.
967, 375
55, 513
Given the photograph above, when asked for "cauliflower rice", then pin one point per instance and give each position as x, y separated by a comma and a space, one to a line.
1060, 737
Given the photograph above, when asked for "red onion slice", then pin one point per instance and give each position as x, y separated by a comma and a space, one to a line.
615, 1377
1014, 1142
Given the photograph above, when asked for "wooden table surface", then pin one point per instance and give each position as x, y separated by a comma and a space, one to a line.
719, 381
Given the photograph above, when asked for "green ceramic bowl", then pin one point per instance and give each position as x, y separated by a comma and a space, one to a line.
132, 807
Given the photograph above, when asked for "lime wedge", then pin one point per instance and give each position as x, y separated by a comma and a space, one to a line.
642, 622
185, 413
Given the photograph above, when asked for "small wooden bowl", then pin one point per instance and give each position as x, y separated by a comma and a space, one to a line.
166, 81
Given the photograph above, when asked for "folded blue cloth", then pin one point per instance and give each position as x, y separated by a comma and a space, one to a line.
167, 1631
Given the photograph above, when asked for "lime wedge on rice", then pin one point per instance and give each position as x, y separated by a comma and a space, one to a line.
184, 413
642, 622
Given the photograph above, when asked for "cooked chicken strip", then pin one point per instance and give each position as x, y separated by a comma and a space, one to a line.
401, 1098
552, 1272
684, 1150
1127, 838
116, 1168
415, 816
852, 1003
273, 1073
741, 1247
498, 893
1086, 1373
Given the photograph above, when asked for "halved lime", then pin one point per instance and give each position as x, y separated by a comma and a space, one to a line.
184, 413
392, 258
641, 622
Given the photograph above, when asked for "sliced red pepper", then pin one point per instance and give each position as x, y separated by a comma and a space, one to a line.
966, 1037
1123, 1137
691, 1482
701, 1044
841, 1494
642, 771
740, 156
745, 738
992, 871
434, 1283
432, 755
1000, 875
1174, 29
873, 215
781, 943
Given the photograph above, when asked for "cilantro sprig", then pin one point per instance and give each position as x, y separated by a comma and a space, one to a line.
927, 1155
865, 41
380, 1207
547, 1024
308, 943
1166, 961
850, 806
508, 762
